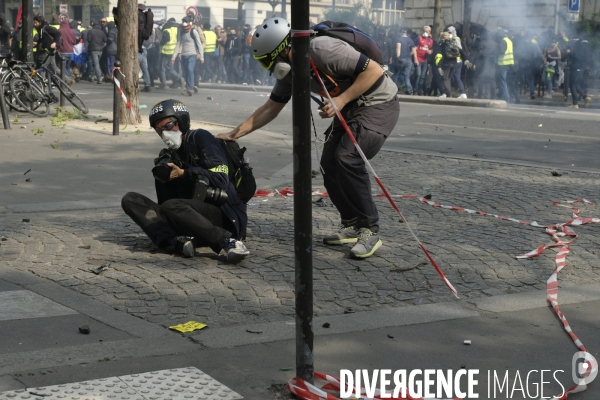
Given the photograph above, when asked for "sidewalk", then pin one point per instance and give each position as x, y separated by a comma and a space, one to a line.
50, 251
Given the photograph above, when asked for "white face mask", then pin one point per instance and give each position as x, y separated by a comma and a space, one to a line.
172, 139
281, 70
425, 34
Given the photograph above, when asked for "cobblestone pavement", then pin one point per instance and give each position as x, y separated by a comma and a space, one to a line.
476, 252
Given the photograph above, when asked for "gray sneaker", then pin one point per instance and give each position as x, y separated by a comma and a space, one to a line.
235, 249
345, 234
366, 245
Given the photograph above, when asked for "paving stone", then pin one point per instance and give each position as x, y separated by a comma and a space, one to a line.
476, 252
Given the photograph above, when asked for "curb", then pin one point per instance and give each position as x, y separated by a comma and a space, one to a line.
481, 103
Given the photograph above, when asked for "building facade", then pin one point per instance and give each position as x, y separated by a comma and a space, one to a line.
509, 14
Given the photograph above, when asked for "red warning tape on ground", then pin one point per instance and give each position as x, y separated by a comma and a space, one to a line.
127, 103
323, 382
558, 232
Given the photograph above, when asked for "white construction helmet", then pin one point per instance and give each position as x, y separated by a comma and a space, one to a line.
269, 39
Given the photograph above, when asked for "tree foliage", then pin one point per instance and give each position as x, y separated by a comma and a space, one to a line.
590, 26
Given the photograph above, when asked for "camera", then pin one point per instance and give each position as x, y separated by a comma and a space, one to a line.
201, 191
207, 194
161, 171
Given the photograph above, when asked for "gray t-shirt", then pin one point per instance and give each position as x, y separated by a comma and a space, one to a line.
338, 61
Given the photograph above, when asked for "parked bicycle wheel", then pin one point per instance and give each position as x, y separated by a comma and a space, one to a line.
28, 97
10, 100
70, 95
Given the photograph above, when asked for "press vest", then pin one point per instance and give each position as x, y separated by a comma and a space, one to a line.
211, 41
508, 57
169, 47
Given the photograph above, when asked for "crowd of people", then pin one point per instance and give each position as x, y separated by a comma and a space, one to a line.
501, 64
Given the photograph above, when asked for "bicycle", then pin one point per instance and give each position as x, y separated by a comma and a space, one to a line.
29, 91
9, 70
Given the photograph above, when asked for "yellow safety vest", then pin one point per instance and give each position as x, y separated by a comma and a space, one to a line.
169, 47
211, 41
458, 58
57, 26
508, 57
109, 19
35, 32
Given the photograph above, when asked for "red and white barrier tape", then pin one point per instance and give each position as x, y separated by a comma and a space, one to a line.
307, 391
127, 103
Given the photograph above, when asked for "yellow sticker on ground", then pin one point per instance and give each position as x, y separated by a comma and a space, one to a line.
189, 326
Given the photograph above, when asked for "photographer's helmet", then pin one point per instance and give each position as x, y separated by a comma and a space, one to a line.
171, 108
269, 39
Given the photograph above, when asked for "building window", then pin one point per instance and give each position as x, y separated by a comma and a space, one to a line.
77, 13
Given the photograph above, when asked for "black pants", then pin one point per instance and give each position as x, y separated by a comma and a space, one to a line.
578, 90
205, 222
345, 175
449, 67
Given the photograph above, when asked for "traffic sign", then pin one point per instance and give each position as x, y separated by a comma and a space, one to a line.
574, 6
194, 10
63, 9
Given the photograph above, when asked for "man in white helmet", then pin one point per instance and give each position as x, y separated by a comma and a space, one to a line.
367, 99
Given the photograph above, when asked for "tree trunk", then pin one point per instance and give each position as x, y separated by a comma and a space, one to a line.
437, 16
127, 54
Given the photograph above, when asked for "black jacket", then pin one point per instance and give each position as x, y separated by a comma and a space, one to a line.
201, 151
580, 55
111, 39
96, 38
46, 36
5, 31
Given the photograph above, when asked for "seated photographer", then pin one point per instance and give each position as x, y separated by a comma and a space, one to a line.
197, 204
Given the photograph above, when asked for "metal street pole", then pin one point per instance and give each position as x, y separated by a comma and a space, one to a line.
556, 16
27, 31
301, 117
284, 9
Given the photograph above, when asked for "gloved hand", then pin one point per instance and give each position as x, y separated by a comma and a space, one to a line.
469, 64
441, 71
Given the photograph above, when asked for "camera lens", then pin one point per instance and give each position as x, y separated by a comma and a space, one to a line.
216, 196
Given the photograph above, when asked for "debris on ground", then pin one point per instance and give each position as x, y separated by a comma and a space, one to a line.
390, 336
84, 329
26, 219
326, 325
467, 342
189, 326
26, 172
554, 173
100, 269
257, 331
85, 246
349, 310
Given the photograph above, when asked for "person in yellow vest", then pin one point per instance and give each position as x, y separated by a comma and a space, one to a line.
55, 23
506, 61
209, 53
168, 44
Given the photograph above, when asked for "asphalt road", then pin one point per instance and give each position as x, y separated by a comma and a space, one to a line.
547, 135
